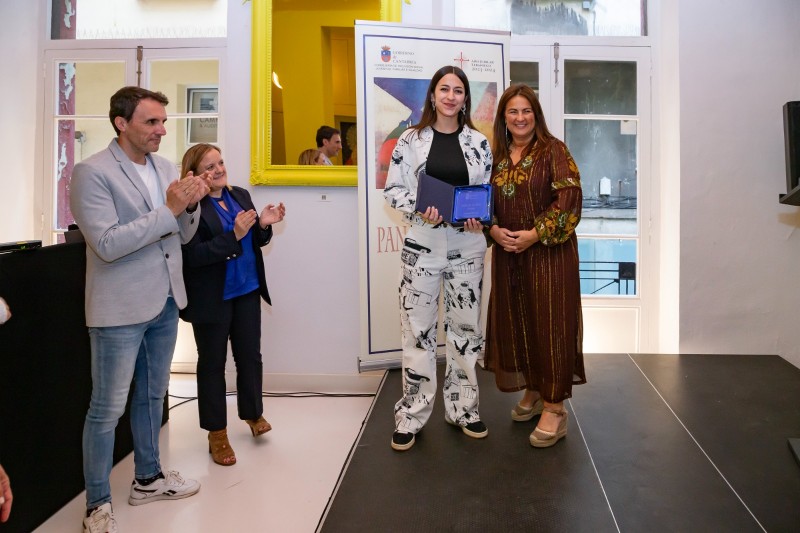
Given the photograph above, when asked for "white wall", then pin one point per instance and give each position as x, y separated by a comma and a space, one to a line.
740, 249
118, 19
19, 41
738, 246
312, 262
665, 204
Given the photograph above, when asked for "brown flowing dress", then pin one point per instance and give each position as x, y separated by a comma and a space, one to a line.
534, 332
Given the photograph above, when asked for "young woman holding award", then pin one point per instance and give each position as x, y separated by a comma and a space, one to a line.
444, 145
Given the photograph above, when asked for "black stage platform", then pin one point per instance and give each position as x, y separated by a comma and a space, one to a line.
656, 443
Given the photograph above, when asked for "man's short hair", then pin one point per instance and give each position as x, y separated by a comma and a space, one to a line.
326, 132
124, 102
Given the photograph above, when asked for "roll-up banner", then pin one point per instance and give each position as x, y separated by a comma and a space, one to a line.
394, 65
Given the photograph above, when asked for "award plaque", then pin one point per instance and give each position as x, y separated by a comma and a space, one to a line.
456, 204
474, 201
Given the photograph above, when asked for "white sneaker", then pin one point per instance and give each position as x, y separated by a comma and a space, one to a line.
172, 487
101, 520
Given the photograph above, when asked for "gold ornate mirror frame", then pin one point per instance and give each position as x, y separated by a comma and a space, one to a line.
262, 171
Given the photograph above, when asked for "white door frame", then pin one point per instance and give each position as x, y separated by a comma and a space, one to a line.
608, 320
107, 51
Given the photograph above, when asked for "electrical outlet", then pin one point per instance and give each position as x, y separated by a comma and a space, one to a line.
324, 197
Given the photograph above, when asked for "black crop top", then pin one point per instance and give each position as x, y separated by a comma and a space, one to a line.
446, 159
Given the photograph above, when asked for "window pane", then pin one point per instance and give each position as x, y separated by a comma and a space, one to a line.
600, 87
137, 19
176, 78
605, 151
526, 72
192, 88
554, 17
173, 144
85, 87
608, 266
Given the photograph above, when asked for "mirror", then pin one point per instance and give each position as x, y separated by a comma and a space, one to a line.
285, 120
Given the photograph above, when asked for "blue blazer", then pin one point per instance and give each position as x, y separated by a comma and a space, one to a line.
205, 258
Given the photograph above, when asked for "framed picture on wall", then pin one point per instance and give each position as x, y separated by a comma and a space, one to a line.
202, 100
347, 125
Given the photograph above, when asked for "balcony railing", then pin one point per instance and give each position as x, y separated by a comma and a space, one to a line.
604, 274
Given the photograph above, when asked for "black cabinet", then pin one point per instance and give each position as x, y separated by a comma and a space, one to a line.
45, 381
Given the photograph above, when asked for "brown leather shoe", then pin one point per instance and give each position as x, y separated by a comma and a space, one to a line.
220, 449
259, 426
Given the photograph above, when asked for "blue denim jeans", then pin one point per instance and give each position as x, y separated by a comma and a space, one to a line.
141, 353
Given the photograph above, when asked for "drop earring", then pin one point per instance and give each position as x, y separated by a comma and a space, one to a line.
433, 103
464, 109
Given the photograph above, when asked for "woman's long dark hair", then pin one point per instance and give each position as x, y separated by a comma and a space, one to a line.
429, 113
502, 139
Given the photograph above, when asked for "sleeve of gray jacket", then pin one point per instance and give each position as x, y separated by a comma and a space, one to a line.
114, 219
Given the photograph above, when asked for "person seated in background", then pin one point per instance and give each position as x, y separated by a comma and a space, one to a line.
329, 142
312, 156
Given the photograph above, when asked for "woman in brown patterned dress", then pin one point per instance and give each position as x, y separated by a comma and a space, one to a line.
534, 329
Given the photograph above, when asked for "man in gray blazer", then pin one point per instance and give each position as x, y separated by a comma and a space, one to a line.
134, 215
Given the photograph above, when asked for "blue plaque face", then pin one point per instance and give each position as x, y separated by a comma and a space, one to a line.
455, 204
474, 201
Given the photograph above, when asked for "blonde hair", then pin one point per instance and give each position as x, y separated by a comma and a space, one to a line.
309, 157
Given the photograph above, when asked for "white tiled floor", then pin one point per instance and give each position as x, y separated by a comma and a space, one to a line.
280, 483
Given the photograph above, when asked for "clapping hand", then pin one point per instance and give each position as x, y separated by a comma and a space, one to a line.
244, 221
186, 192
271, 214
207, 178
201, 186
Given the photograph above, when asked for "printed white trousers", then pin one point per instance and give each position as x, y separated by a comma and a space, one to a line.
433, 257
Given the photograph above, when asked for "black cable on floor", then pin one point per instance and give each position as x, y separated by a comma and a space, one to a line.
311, 394
187, 400
298, 394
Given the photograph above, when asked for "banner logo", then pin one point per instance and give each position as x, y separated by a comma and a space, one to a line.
386, 54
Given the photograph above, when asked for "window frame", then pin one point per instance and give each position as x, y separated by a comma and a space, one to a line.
66, 51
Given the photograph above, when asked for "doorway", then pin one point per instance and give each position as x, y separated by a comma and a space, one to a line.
597, 99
